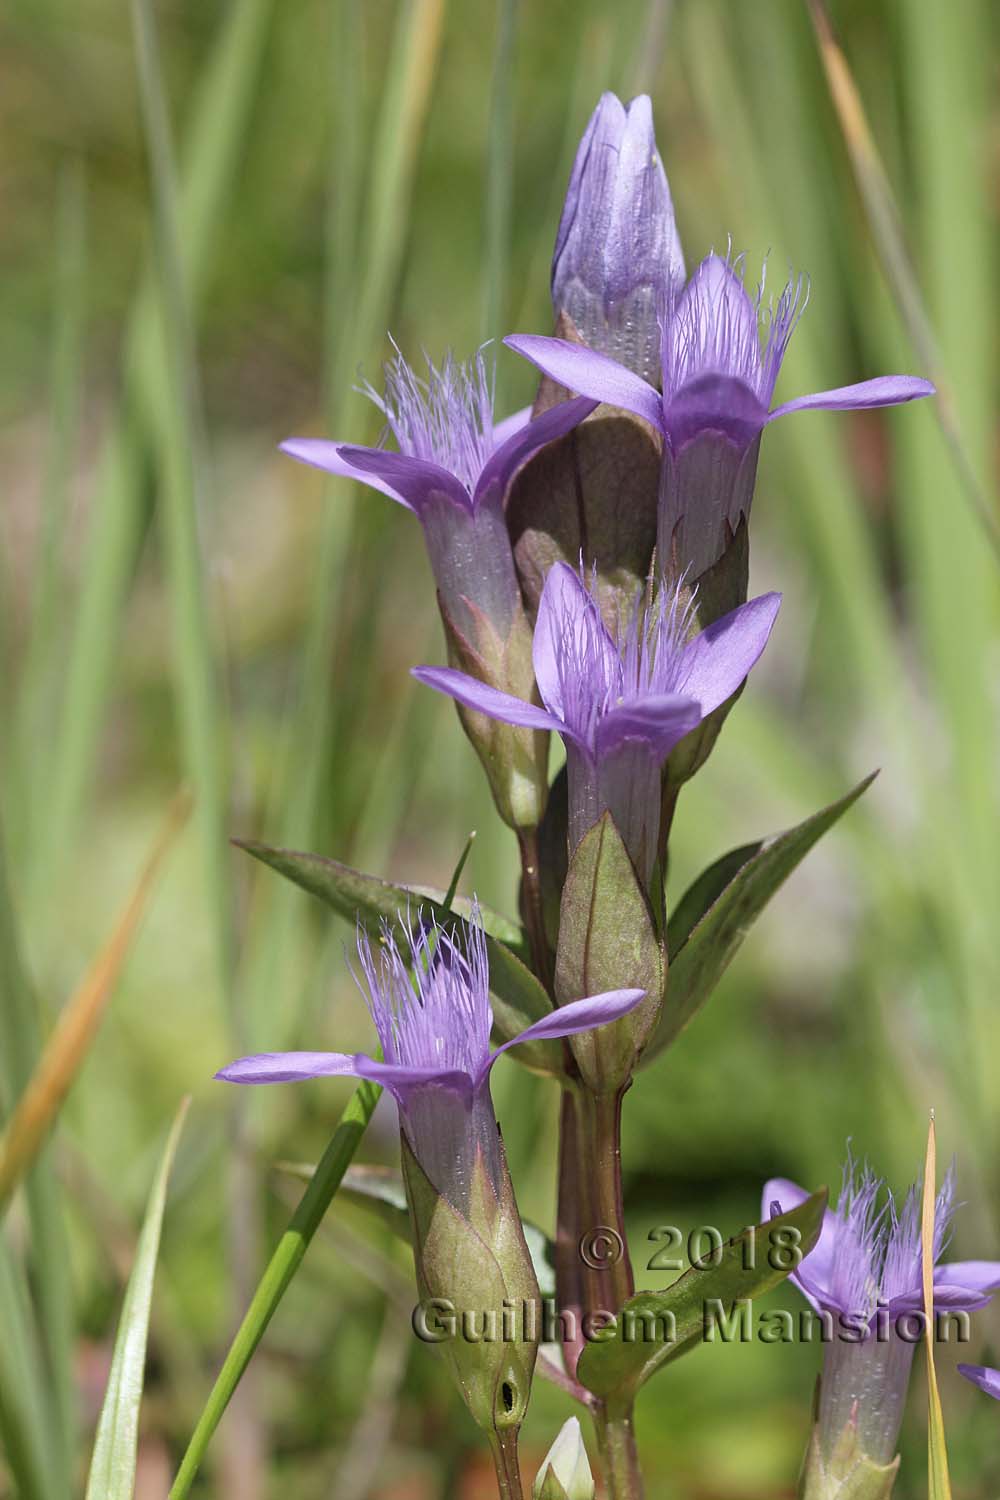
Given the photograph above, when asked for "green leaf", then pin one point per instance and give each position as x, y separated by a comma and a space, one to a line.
112, 1467
656, 1327
714, 916
607, 941
518, 997
704, 892
277, 1278
495, 924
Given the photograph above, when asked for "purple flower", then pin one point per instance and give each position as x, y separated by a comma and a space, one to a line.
453, 469
431, 1009
617, 248
864, 1274
718, 382
987, 1380
620, 705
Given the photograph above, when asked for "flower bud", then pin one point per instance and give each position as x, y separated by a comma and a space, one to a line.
565, 1474
617, 252
475, 1263
514, 758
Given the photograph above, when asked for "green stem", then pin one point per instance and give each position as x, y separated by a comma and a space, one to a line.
504, 1447
616, 1433
274, 1283
599, 1144
610, 1283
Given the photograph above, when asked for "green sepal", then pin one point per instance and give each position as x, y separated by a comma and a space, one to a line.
714, 916
608, 941
688, 1312
518, 998
515, 759
478, 1266
549, 1488
592, 494
847, 1475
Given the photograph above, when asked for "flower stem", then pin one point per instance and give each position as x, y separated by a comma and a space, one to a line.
616, 1434
593, 1266
504, 1447
531, 895
599, 1132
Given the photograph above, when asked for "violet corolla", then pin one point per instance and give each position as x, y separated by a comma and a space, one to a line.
621, 702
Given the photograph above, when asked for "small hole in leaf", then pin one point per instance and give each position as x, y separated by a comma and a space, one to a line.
507, 1394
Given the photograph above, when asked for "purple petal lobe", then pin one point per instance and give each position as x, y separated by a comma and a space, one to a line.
568, 629
484, 699
711, 330
414, 479
721, 404
507, 426
977, 1276
579, 1015
401, 1080
583, 370
987, 1380
815, 1275
322, 454
659, 721
718, 660
515, 451
290, 1067
885, 390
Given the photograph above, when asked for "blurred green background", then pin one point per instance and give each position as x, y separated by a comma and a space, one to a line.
180, 602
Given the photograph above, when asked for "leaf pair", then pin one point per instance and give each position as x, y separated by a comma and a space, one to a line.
607, 936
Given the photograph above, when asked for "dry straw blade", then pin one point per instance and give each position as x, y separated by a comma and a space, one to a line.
70, 1042
938, 1483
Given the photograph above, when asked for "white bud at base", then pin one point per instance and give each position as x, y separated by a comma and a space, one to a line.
566, 1463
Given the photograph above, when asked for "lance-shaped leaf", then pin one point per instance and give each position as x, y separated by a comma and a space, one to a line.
518, 997
606, 929
655, 1327
714, 916
112, 1467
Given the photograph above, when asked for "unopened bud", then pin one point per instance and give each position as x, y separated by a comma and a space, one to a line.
617, 252
565, 1473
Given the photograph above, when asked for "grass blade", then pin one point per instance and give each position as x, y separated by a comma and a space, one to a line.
890, 242
217, 136
67, 1048
499, 175
276, 1279
25, 1421
179, 445
938, 1482
46, 633
301, 780
112, 1467
38, 1392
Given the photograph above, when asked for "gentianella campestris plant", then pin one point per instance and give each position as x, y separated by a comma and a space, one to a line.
591, 562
